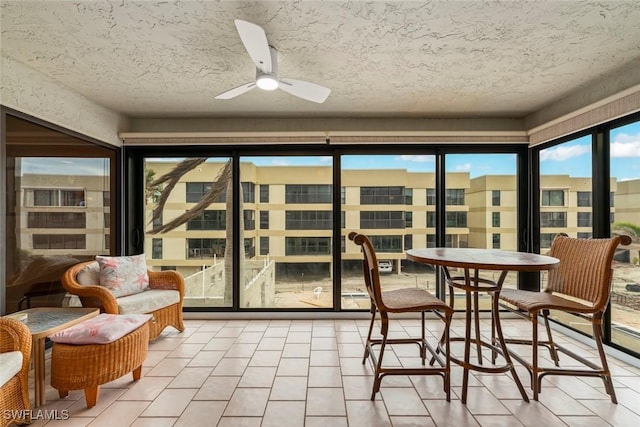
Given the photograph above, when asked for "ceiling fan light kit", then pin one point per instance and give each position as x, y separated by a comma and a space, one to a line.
267, 82
266, 60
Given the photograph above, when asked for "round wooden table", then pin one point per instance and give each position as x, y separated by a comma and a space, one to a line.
472, 261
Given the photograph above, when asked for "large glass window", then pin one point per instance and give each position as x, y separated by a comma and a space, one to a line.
565, 177
625, 186
195, 242
58, 210
481, 195
293, 264
396, 223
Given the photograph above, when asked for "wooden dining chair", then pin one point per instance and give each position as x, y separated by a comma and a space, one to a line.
402, 301
581, 285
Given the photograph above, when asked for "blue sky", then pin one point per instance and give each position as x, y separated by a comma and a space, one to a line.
571, 158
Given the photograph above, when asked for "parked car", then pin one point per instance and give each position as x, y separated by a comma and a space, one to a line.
385, 266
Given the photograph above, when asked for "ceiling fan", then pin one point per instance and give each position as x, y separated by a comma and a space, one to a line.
265, 57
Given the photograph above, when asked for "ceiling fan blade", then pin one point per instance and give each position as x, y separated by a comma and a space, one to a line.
305, 90
255, 41
237, 91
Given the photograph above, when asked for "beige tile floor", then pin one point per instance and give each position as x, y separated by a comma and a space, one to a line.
309, 373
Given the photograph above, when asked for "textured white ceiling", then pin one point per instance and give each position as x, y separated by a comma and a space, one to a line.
400, 58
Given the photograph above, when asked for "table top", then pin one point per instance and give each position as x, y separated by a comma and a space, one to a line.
43, 321
483, 259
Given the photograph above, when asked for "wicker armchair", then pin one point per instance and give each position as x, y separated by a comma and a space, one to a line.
164, 314
405, 300
580, 286
14, 394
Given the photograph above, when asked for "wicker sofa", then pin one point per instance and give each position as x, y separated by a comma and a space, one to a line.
15, 356
163, 299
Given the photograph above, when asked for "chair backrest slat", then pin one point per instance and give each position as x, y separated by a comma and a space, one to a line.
370, 269
585, 268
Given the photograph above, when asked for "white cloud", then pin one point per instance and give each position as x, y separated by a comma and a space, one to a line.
466, 167
562, 153
326, 159
417, 158
626, 145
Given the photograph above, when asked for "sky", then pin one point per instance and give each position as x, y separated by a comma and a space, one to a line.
571, 158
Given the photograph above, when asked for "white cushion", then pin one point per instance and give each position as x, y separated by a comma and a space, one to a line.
10, 365
102, 329
147, 301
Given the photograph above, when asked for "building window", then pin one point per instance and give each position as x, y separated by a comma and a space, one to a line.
552, 198
249, 247
546, 239
343, 195
157, 222
195, 191
456, 219
59, 241
57, 220
264, 220
308, 220
584, 198
249, 219
387, 243
307, 246
495, 219
496, 240
106, 198
106, 218
431, 240
264, 245
343, 219
431, 219
308, 193
56, 197
382, 219
209, 220
264, 193
408, 219
107, 241
343, 244
408, 196
584, 219
382, 196
156, 248
167, 267
454, 196
408, 241
431, 196
495, 197
248, 192
611, 198
585, 235
553, 219
205, 248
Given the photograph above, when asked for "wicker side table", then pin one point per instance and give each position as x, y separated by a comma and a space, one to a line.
75, 367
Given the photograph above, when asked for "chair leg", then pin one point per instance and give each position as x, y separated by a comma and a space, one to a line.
606, 374
535, 382
368, 341
447, 353
423, 344
378, 368
552, 347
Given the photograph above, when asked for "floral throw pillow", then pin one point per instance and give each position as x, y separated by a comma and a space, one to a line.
123, 275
